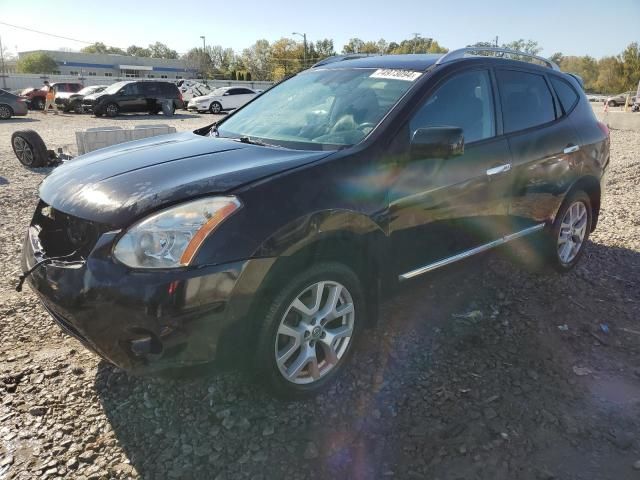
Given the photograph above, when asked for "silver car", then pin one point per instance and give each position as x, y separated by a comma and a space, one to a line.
11, 105
621, 98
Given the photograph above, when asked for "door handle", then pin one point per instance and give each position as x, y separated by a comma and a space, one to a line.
499, 169
572, 148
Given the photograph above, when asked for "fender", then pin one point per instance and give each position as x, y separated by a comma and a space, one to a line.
335, 234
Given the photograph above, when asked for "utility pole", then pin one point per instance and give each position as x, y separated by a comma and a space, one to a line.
304, 53
204, 58
2, 72
415, 41
496, 41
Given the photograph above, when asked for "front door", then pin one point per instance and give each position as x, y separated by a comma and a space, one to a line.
439, 208
131, 98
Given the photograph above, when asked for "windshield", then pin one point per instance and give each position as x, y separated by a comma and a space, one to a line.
321, 109
114, 87
218, 92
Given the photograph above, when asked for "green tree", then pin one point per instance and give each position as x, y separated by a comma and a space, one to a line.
36, 62
136, 51
610, 76
354, 45
323, 49
416, 45
160, 50
631, 66
257, 60
556, 58
522, 45
100, 47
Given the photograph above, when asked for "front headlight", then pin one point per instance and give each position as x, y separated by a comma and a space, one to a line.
171, 238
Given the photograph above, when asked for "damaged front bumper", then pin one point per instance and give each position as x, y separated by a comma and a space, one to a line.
141, 321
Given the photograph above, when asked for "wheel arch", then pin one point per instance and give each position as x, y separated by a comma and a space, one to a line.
591, 186
10, 108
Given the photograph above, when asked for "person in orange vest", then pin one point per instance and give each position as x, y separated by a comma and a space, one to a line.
50, 97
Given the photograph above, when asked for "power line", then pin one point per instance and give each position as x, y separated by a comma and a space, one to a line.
46, 33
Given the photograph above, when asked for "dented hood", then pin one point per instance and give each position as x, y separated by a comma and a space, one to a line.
119, 184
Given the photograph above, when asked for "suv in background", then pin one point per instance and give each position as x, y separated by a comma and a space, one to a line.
273, 234
134, 97
37, 97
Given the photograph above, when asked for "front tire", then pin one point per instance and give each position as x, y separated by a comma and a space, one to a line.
566, 239
309, 330
112, 110
5, 112
215, 108
612, 103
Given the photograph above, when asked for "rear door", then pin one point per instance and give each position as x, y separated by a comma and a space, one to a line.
232, 98
543, 143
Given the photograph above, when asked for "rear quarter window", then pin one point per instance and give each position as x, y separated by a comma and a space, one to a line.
526, 100
566, 94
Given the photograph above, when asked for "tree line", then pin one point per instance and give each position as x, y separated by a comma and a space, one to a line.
273, 61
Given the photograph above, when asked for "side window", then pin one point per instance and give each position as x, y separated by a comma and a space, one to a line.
130, 89
151, 88
233, 91
567, 95
526, 100
464, 101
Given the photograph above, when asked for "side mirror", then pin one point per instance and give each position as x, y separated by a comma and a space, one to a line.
437, 142
225, 94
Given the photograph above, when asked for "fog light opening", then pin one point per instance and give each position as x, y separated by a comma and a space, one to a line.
145, 343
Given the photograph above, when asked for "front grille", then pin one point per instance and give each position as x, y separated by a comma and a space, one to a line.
61, 234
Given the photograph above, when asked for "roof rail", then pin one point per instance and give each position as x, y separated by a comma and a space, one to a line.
340, 58
499, 52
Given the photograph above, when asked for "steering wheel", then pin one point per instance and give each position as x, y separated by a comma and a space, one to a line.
364, 125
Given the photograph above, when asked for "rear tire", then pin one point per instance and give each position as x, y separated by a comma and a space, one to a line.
612, 103
299, 353
5, 112
564, 241
29, 148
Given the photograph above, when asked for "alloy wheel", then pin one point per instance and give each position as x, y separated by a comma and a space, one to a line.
573, 230
315, 332
112, 110
5, 112
23, 150
216, 107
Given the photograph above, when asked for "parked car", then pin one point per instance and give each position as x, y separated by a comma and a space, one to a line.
621, 98
222, 99
11, 105
37, 97
134, 96
272, 235
594, 97
67, 101
191, 89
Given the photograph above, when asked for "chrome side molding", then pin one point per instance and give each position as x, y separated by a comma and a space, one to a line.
471, 252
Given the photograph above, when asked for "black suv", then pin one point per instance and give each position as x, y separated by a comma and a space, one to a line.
134, 96
277, 231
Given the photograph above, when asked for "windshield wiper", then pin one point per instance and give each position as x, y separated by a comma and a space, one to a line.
253, 141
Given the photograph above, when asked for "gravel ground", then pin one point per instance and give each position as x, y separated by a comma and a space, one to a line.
484, 371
